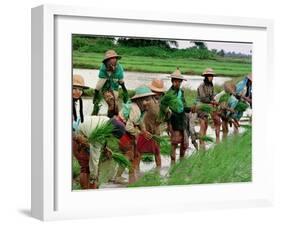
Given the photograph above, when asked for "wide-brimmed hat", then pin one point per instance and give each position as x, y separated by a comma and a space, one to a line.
110, 54
142, 91
78, 81
177, 75
157, 85
229, 87
208, 71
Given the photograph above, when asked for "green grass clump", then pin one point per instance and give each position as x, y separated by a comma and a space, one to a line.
151, 178
229, 161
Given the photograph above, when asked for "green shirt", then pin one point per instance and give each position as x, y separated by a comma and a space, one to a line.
112, 80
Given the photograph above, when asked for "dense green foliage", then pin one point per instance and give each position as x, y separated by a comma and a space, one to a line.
229, 161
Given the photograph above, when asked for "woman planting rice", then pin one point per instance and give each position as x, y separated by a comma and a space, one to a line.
111, 76
205, 95
232, 107
94, 135
131, 115
152, 125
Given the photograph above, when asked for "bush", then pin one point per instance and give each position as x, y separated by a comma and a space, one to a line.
78, 43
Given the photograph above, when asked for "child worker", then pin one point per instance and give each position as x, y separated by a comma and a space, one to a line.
177, 123
131, 115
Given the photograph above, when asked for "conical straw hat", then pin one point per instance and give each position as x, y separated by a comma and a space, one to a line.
142, 91
157, 85
110, 54
208, 71
78, 81
177, 75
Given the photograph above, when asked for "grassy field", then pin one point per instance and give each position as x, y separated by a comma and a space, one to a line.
229, 161
222, 66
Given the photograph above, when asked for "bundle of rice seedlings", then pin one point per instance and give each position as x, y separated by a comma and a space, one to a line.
166, 150
168, 100
165, 146
97, 104
113, 143
160, 139
205, 108
241, 106
206, 138
147, 158
88, 92
121, 160
224, 98
101, 133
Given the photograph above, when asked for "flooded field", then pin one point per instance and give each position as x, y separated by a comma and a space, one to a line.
135, 79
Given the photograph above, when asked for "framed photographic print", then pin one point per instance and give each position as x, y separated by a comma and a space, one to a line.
137, 112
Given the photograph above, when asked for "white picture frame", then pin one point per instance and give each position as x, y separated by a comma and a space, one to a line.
52, 197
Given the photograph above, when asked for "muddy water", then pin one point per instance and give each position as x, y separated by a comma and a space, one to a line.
135, 79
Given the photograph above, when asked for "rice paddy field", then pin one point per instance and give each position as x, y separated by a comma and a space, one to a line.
229, 161
229, 67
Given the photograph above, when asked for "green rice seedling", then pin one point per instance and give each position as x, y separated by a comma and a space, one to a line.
228, 161
241, 106
168, 100
76, 185
113, 143
160, 139
205, 108
147, 158
165, 146
151, 178
97, 104
224, 98
88, 92
207, 139
101, 133
75, 168
121, 160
